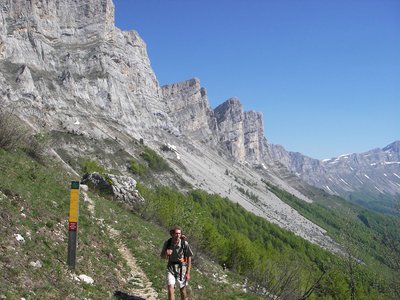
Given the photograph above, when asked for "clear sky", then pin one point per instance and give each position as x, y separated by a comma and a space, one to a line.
325, 74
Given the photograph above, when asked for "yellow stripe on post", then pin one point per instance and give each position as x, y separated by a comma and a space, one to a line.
73, 223
74, 205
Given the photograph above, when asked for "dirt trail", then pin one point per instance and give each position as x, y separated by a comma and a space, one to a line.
143, 286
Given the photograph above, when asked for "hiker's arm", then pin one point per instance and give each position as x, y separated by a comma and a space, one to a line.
189, 266
163, 253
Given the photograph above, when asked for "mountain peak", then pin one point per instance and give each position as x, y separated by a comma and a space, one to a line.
395, 147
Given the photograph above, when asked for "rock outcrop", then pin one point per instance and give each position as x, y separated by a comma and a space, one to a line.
187, 106
241, 132
122, 188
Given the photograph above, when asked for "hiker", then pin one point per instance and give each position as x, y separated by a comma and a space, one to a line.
179, 255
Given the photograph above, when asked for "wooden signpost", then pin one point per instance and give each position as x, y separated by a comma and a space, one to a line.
73, 223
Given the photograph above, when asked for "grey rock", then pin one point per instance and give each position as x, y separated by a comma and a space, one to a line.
187, 105
242, 133
36, 264
98, 182
65, 60
124, 189
121, 187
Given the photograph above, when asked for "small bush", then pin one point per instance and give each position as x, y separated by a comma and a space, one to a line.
15, 134
155, 161
249, 194
36, 146
91, 166
137, 168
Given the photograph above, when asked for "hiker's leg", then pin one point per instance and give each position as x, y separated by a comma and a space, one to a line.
182, 285
171, 280
171, 295
183, 293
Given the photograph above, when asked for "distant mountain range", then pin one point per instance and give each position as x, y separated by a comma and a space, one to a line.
371, 179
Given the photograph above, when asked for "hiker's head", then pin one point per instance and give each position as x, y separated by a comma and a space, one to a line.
176, 232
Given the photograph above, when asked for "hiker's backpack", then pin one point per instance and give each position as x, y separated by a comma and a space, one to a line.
183, 246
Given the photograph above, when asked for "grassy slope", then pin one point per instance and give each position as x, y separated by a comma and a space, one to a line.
34, 202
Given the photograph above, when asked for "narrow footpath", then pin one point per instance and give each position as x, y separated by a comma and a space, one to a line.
143, 286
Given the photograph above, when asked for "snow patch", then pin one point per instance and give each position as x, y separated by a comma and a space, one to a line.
344, 156
392, 162
396, 175
341, 179
367, 176
172, 147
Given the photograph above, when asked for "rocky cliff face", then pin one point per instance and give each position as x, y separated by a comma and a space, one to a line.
242, 133
64, 62
187, 105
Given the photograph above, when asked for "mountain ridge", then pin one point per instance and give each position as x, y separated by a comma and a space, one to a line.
370, 178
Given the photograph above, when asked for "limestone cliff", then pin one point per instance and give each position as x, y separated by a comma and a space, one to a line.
241, 132
188, 107
64, 62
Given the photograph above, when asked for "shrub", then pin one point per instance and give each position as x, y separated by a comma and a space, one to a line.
249, 194
155, 161
91, 166
137, 168
15, 134
36, 145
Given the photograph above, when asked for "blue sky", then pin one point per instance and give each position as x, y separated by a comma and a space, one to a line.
325, 74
